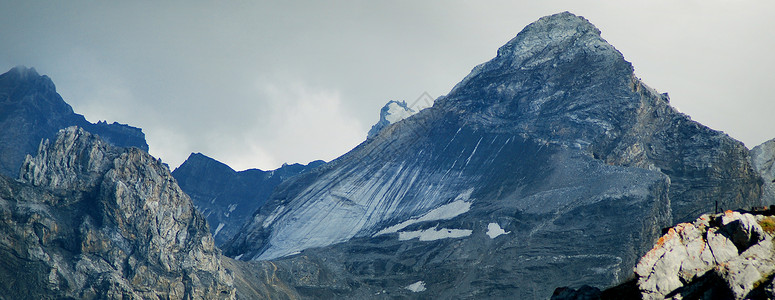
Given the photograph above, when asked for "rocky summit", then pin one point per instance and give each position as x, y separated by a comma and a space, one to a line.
549, 165
226, 197
31, 110
88, 220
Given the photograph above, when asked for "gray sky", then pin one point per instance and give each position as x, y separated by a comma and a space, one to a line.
257, 84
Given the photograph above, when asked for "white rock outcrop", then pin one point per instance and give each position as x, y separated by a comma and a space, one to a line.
731, 247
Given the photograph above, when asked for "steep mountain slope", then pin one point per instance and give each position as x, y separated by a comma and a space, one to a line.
88, 220
552, 142
31, 110
226, 197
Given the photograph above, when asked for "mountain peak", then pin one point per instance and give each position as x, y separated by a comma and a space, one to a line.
25, 74
24, 71
551, 30
558, 43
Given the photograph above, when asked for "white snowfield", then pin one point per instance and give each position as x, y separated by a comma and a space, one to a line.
444, 212
416, 287
494, 230
432, 234
397, 113
357, 208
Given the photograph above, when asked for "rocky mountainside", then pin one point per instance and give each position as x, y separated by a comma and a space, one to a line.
31, 110
228, 198
88, 220
763, 160
728, 255
549, 165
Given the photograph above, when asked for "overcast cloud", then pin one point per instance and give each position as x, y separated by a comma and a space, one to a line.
258, 84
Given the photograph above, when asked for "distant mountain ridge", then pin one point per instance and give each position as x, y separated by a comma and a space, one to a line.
31, 110
226, 197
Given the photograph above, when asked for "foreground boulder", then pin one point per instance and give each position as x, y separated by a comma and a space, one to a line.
729, 254
721, 256
92, 221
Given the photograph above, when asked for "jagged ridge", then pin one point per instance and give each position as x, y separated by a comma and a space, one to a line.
31, 110
92, 220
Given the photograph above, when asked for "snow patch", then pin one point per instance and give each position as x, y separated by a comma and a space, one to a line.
232, 207
472, 152
444, 212
398, 111
416, 287
494, 230
217, 230
433, 234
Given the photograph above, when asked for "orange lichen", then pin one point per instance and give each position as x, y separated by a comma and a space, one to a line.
671, 233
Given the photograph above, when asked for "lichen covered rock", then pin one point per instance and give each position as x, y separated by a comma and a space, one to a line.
726, 254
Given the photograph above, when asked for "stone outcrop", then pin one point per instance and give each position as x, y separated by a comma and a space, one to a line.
724, 255
718, 256
89, 220
228, 198
31, 110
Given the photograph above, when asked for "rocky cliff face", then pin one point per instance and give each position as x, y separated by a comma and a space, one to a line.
489, 192
763, 160
226, 197
89, 220
31, 110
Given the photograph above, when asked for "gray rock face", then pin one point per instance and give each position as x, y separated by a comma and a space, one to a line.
226, 197
554, 143
31, 110
727, 255
763, 160
92, 221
